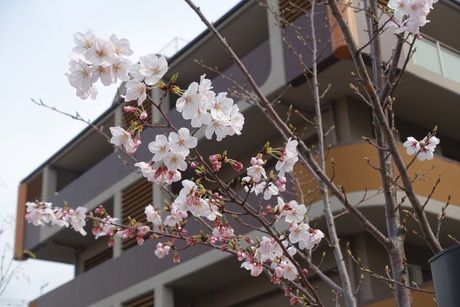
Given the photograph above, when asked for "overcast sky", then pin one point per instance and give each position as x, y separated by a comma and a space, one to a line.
35, 40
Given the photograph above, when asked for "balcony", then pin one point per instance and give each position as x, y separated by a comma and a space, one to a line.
438, 58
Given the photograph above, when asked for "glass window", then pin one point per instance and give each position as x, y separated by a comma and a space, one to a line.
426, 55
451, 64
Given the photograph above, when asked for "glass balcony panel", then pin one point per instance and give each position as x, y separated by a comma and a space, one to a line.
451, 64
426, 55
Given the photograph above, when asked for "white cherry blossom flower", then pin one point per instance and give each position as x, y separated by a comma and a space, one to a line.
105, 73
162, 250
147, 171
175, 217
134, 72
135, 90
269, 249
153, 68
80, 75
102, 52
159, 147
431, 143
175, 161
288, 159
412, 146
298, 232
121, 137
84, 41
289, 270
256, 171
85, 94
236, 120
120, 68
220, 128
152, 215
78, 220
255, 268
182, 141
122, 46
220, 107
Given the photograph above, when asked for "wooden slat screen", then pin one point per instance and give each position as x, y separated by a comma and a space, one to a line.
34, 188
135, 199
129, 117
97, 259
145, 300
290, 10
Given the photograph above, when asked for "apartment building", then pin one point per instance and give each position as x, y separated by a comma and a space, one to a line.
88, 171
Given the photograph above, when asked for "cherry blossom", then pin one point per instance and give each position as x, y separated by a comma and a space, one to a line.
424, 148
292, 211
83, 41
288, 158
121, 137
152, 215
182, 141
175, 217
269, 249
162, 250
217, 112
412, 146
255, 268
78, 220
175, 161
159, 147
256, 171
122, 46
120, 68
135, 90
410, 15
153, 68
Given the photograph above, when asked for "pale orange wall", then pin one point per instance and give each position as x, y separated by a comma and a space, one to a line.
355, 174
419, 299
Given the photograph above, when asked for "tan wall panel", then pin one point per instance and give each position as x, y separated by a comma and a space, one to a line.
353, 172
419, 299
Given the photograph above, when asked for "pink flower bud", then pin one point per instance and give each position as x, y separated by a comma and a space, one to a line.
129, 109
176, 258
143, 115
237, 166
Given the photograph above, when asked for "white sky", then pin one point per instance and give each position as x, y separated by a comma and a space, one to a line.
35, 40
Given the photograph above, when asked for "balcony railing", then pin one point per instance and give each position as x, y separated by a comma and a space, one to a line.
438, 58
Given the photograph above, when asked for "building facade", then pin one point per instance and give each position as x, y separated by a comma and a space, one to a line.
89, 172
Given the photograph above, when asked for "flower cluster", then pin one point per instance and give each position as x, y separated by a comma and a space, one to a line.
269, 186
96, 59
217, 112
147, 72
299, 231
121, 137
424, 149
169, 154
196, 200
41, 213
410, 15
270, 254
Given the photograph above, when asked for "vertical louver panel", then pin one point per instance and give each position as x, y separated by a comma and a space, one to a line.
145, 300
128, 118
97, 259
290, 10
134, 200
34, 188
